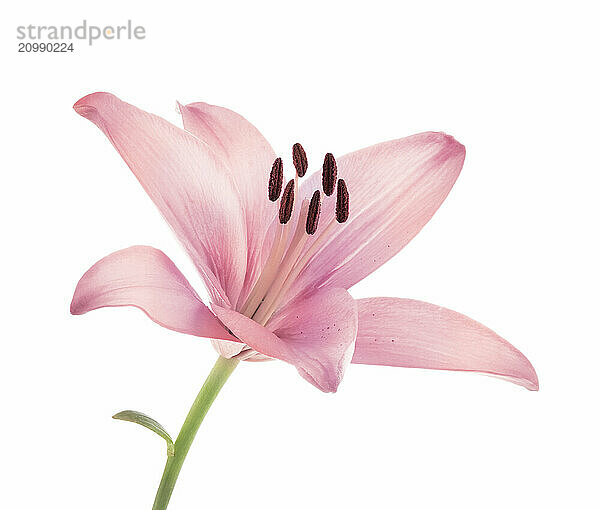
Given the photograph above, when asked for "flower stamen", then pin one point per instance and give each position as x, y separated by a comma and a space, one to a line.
287, 202
314, 211
283, 266
342, 203
329, 174
276, 180
344, 198
300, 160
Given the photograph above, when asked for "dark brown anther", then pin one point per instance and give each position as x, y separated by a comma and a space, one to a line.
287, 203
314, 211
342, 203
329, 174
276, 180
300, 161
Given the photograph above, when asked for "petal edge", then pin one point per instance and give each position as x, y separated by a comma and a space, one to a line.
249, 156
315, 334
145, 278
395, 188
182, 176
414, 334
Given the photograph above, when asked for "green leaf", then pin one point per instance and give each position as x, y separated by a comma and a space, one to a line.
150, 423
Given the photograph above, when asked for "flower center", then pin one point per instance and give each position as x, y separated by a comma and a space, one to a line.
286, 260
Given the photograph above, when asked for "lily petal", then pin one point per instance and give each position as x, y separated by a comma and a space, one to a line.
408, 333
249, 157
192, 190
395, 188
146, 278
316, 334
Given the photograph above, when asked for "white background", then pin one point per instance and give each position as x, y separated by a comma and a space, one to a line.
514, 246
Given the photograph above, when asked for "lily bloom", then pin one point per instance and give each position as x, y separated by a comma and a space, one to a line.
278, 264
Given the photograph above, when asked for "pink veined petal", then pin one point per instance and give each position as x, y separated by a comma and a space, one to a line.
146, 278
191, 188
395, 188
408, 333
316, 334
250, 157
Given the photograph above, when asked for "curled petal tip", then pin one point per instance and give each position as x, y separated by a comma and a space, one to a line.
529, 380
449, 149
446, 138
74, 309
194, 111
329, 385
78, 305
84, 110
89, 104
453, 145
196, 107
533, 382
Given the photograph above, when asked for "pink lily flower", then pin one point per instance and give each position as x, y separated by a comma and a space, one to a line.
277, 269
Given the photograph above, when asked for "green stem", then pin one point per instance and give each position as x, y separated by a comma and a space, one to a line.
209, 391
